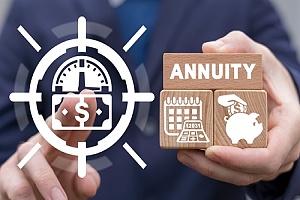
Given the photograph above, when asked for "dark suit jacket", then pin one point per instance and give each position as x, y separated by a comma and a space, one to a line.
182, 26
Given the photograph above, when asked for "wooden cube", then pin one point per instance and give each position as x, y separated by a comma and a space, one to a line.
208, 71
186, 119
240, 118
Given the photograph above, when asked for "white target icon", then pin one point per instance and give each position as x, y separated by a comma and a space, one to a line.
130, 96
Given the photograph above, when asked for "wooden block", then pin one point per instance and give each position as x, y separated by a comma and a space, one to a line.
240, 118
186, 119
198, 71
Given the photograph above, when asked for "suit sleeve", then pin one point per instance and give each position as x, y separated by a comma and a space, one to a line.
267, 29
16, 124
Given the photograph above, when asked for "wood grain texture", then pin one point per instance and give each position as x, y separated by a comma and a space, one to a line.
186, 119
236, 118
226, 73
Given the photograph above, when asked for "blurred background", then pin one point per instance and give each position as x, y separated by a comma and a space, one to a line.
287, 9
289, 12
4, 9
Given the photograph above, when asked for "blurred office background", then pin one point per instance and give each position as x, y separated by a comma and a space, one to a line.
4, 9
288, 10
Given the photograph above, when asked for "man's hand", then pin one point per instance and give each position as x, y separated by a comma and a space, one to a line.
246, 166
38, 179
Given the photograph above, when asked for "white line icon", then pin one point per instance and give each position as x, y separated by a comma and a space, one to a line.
29, 155
94, 77
105, 98
30, 39
193, 132
66, 80
93, 73
183, 118
134, 38
134, 155
240, 125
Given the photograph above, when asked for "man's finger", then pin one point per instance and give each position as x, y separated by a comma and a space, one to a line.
14, 184
41, 174
197, 160
233, 42
281, 149
68, 119
80, 136
238, 42
82, 187
89, 185
285, 168
253, 160
67, 111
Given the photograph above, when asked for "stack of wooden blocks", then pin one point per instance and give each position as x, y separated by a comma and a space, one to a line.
212, 99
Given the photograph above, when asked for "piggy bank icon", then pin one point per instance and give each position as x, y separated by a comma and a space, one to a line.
239, 124
243, 126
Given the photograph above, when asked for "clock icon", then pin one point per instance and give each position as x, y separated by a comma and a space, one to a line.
94, 75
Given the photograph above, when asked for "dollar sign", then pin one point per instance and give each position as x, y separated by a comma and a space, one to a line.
237, 107
83, 112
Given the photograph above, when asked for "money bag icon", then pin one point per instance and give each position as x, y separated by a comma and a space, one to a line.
240, 125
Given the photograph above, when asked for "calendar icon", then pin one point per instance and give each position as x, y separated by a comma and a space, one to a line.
183, 119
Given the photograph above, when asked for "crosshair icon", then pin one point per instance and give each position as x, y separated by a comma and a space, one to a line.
130, 97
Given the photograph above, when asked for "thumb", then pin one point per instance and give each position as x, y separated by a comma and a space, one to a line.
273, 70
233, 42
